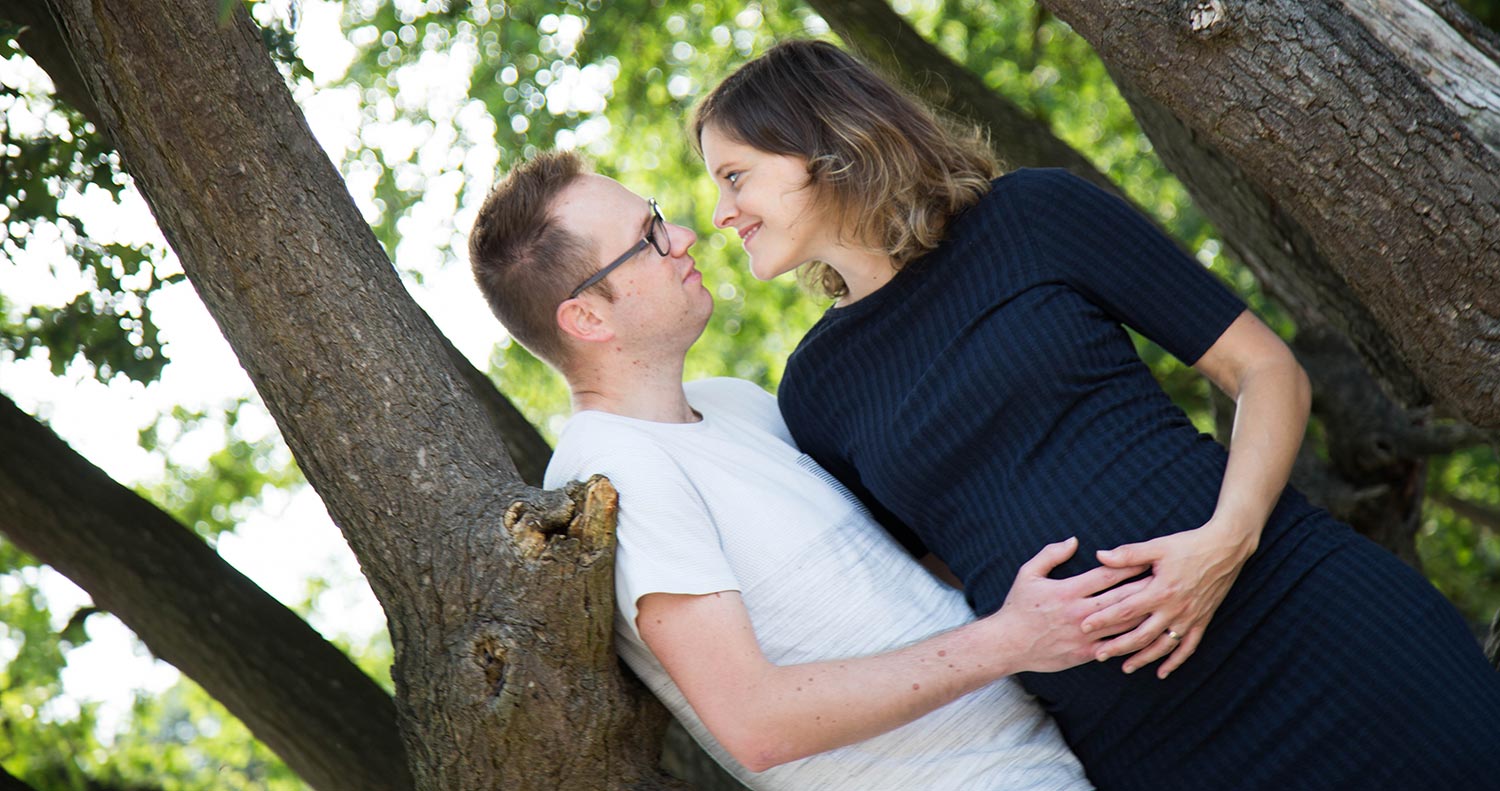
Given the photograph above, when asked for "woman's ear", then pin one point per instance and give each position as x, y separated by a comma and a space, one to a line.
584, 318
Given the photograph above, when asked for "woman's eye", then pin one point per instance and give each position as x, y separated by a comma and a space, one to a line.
733, 178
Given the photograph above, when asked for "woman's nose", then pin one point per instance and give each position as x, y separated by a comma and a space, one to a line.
724, 212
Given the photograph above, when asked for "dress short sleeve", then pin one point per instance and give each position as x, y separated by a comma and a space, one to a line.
1121, 262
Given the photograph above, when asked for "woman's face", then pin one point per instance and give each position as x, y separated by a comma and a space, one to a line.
765, 198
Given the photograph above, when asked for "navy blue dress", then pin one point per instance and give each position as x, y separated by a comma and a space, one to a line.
987, 401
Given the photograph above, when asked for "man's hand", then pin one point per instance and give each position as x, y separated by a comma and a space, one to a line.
1042, 618
1191, 573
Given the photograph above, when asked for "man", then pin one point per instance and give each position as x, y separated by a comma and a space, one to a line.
793, 638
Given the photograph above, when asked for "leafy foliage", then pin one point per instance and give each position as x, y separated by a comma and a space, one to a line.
109, 323
613, 78
212, 497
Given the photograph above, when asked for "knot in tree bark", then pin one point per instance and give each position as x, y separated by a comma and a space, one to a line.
489, 654
1208, 18
584, 512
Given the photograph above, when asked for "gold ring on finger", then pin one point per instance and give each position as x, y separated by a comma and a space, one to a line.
1172, 633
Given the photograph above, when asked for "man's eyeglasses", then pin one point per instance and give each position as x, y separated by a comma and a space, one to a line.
656, 236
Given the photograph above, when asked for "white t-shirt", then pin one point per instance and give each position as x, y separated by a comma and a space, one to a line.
729, 503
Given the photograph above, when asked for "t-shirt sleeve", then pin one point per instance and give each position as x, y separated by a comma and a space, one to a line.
1121, 262
666, 541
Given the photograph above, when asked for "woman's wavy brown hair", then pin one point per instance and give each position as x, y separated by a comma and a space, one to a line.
890, 171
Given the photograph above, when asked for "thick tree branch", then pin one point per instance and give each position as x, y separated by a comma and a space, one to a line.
1461, 75
1394, 189
523, 442
44, 43
321, 714
1485, 516
9, 782
1473, 30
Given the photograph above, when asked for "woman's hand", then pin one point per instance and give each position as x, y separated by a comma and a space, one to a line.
1191, 573
1040, 626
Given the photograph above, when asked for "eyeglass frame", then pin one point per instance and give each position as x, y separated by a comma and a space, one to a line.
663, 246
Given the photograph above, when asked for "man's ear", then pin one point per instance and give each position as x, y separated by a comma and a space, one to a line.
583, 319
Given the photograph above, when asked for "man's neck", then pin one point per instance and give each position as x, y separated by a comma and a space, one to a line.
633, 388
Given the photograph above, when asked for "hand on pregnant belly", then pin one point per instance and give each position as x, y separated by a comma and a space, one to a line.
1040, 627
1191, 573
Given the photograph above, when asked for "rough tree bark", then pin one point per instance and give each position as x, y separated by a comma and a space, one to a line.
1391, 186
498, 597
330, 723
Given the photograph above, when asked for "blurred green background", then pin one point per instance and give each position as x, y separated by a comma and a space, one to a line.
615, 79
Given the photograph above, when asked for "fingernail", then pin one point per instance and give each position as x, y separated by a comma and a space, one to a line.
1101, 656
1129, 670
1087, 628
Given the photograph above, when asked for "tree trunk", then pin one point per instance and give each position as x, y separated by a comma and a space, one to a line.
498, 597
9, 782
300, 695
1393, 188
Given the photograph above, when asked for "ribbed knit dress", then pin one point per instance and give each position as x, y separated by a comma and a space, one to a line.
987, 401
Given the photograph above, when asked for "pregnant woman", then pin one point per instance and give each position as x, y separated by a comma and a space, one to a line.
974, 383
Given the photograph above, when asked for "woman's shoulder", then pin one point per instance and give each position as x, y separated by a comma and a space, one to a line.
1016, 194
1038, 202
1033, 184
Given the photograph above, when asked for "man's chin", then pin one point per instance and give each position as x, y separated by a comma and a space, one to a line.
703, 324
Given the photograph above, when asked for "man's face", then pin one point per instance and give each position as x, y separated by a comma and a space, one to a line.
657, 298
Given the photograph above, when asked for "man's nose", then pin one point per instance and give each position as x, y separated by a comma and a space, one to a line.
682, 239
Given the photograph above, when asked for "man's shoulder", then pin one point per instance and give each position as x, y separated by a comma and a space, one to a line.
740, 406
727, 393
594, 443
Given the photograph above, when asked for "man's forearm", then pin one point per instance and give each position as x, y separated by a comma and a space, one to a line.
795, 711
766, 715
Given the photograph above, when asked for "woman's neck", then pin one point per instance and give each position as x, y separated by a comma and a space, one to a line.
864, 272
